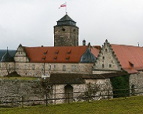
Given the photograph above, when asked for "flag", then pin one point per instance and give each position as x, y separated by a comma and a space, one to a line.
63, 5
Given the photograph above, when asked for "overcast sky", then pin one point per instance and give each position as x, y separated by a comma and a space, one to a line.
30, 22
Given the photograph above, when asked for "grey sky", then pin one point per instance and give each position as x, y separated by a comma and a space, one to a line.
30, 22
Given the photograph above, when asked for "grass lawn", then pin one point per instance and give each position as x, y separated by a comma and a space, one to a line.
132, 105
19, 78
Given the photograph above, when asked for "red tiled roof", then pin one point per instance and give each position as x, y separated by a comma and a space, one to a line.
69, 54
95, 50
130, 57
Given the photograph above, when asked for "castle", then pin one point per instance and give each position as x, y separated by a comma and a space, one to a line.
65, 57
72, 67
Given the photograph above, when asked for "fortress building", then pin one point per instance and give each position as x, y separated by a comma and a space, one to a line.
65, 57
75, 68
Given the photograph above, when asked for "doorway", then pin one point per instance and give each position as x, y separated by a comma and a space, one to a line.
68, 93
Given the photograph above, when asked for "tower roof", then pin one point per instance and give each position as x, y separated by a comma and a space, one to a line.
66, 20
7, 57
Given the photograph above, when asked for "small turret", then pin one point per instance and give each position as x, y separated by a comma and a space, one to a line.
7, 57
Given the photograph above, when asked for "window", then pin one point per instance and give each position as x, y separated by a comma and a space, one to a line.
110, 65
43, 66
102, 65
33, 67
54, 67
20, 52
25, 67
49, 67
73, 67
64, 67
112, 61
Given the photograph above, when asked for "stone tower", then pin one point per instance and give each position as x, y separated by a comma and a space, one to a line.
66, 32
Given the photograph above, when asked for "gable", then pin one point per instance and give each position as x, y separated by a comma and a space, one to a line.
106, 59
20, 55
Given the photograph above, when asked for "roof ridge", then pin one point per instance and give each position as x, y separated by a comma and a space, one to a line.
55, 47
126, 45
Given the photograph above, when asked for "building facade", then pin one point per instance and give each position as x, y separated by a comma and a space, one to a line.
126, 58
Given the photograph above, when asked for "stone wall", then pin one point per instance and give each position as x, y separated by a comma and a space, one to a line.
6, 68
37, 69
136, 83
33, 90
65, 36
30, 90
101, 88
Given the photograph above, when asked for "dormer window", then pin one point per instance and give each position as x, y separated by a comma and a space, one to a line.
67, 58
131, 64
43, 58
45, 52
57, 51
55, 58
69, 52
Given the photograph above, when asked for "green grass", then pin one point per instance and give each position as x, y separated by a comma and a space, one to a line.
132, 105
19, 78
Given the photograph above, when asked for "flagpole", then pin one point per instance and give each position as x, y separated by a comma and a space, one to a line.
66, 8
64, 5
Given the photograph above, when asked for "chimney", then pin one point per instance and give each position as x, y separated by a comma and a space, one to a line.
84, 42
